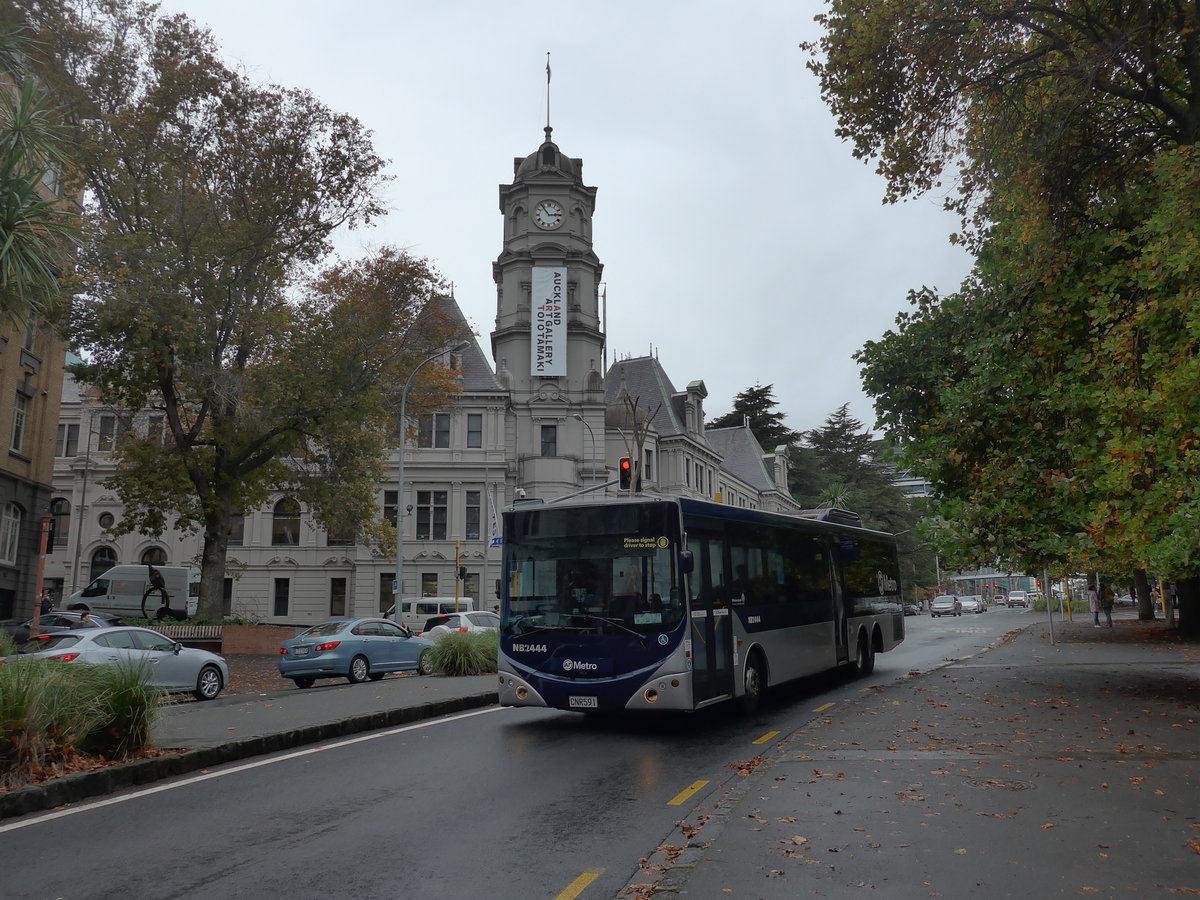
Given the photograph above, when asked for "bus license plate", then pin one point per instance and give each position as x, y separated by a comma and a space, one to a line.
584, 703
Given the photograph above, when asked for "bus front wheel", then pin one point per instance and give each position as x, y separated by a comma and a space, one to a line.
752, 685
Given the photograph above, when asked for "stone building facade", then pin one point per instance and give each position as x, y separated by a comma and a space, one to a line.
546, 422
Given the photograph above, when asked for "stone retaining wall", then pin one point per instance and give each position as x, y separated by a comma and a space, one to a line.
230, 639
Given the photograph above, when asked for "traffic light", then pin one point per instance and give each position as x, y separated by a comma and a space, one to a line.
625, 472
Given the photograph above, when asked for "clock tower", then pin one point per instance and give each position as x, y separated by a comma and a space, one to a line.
548, 343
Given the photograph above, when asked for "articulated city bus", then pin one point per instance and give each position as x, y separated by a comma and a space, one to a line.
651, 603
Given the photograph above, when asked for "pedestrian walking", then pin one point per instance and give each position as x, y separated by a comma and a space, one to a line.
1106, 603
1094, 605
46, 605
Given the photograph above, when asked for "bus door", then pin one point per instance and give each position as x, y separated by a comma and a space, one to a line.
711, 625
841, 645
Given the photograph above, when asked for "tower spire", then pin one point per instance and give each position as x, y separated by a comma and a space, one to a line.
548, 128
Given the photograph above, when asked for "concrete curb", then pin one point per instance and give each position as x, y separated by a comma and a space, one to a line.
73, 788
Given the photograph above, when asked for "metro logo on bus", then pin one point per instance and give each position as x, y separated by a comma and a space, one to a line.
887, 584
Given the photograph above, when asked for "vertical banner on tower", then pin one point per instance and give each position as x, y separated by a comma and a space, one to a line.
548, 322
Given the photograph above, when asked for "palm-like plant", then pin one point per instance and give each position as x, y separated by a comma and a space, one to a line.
34, 226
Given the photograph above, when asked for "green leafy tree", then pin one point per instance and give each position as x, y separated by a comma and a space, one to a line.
758, 405
212, 200
1042, 397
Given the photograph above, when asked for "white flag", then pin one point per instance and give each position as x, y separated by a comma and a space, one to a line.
494, 527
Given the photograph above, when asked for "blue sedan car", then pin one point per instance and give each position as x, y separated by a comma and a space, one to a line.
354, 649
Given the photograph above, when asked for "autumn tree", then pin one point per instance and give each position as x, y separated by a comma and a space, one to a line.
1047, 397
758, 407
205, 293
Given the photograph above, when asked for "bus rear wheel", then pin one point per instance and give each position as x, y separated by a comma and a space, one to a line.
864, 655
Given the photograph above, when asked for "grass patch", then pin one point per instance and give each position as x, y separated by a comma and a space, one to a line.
52, 712
461, 653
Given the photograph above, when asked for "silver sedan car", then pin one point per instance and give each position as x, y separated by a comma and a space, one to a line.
169, 665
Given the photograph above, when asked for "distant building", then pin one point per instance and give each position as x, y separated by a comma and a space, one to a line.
549, 421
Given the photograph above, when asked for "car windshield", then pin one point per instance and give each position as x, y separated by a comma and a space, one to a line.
51, 642
325, 628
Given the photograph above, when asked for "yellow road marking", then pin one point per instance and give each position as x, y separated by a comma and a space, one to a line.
683, 795
575, 888
825, 707
766, 737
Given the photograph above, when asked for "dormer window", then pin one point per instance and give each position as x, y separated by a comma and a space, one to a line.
549, 157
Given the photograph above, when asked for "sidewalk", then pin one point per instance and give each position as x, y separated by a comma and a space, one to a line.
1028, 770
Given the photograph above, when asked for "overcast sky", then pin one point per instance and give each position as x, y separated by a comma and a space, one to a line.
742, 243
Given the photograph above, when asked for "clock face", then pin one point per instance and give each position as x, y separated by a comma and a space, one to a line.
547, 214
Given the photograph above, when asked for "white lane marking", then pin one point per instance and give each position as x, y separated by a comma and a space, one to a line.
196, 779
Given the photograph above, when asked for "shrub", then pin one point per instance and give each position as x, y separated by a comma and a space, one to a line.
51, 710
127, 706
462, 653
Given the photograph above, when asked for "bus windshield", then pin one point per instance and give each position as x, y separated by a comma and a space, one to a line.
608, 569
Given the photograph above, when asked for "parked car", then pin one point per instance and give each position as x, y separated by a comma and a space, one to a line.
1018, 598
972, 603
354, 649
53, 622
439, 626
171, 667
911, 609
945, 605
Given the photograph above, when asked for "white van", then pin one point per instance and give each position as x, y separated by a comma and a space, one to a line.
120, 591
416, 611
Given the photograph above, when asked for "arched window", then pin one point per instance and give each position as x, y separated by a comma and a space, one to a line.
154, 556
60, 509
285, 524
10, 534
102, 560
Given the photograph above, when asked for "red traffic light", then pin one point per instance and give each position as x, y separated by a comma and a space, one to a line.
625, 472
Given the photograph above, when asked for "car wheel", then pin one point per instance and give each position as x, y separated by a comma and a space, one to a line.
208, 683
360, 670
304, 681
375, 676
425, 662
753, 682
864, 656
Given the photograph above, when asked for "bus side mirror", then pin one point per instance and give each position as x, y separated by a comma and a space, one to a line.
686, 562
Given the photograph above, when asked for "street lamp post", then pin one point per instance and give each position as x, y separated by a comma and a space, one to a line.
398, 591
592, 435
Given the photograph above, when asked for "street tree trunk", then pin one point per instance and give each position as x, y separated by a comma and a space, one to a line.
1141, 584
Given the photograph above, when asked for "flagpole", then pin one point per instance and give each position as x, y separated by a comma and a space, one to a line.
547, 91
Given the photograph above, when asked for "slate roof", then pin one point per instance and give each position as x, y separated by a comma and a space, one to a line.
742, 455
477, 374
643, 377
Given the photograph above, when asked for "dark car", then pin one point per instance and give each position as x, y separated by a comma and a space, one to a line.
55, 621
911, 609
